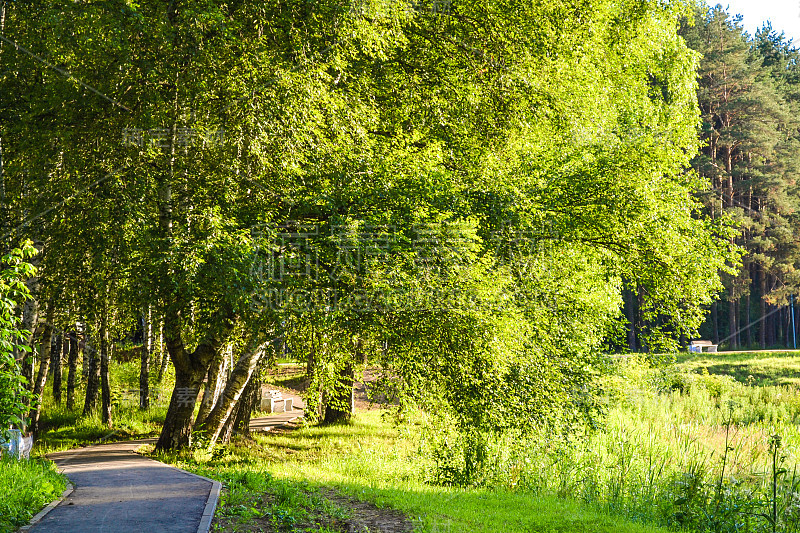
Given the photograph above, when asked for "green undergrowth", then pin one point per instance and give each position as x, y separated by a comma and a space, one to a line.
753, 368
26, 486
375, 460
679, 447
62, 428
256, 498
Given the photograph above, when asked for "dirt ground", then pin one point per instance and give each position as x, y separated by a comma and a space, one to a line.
366, 517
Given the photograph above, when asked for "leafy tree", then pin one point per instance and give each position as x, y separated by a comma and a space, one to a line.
522, 164
14, 395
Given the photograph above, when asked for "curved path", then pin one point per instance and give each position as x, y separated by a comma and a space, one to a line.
119, 491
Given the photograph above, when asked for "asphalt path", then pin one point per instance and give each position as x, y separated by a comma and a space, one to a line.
119, 491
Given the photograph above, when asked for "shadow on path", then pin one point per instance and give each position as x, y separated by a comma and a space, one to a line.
120, 491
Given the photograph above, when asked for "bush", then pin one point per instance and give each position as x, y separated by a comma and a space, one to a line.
13, 393
671, 378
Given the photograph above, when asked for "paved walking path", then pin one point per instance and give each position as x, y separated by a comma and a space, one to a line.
119, 491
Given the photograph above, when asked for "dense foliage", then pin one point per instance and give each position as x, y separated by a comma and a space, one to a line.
748, 92
14, 394
458, 192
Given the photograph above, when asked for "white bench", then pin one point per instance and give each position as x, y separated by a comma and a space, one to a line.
697, 346
274, 402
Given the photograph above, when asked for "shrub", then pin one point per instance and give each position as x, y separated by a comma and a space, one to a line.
13, 393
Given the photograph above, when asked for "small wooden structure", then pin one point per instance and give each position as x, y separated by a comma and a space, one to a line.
697, 346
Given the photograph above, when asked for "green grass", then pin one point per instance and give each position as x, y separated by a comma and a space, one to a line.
763, 368
63, 429
678, 449
26, 486
685, 447
374, 460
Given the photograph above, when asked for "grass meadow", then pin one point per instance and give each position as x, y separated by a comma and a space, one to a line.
694, 446
376, 460
709, 443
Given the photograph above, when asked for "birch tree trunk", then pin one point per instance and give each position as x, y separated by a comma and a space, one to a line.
104, 361
237, 382
85, 350
144, 370
41, 376
72, 368
55, 366
92, 364
247, 404
30, 318
190, 369
217, 377
162, 351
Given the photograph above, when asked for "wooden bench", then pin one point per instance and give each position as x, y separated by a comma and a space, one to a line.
274, 402
697, 346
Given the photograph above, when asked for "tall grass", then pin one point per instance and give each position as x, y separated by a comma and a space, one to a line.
692, 451
689, 451
374, 459
25, 487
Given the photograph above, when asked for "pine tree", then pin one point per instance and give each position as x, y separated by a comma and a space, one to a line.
747, 93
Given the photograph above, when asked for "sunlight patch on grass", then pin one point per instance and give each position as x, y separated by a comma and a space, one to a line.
763, 368
374, 460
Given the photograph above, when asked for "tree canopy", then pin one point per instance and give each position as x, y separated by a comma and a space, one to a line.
458, 192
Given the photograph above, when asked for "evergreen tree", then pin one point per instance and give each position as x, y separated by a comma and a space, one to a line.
747, 96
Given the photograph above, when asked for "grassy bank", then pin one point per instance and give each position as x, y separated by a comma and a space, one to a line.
374, 460
26, 486
707, 444
680, 448
687, 450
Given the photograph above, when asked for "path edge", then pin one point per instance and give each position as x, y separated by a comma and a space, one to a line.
211, 502
216, 488
49, 507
